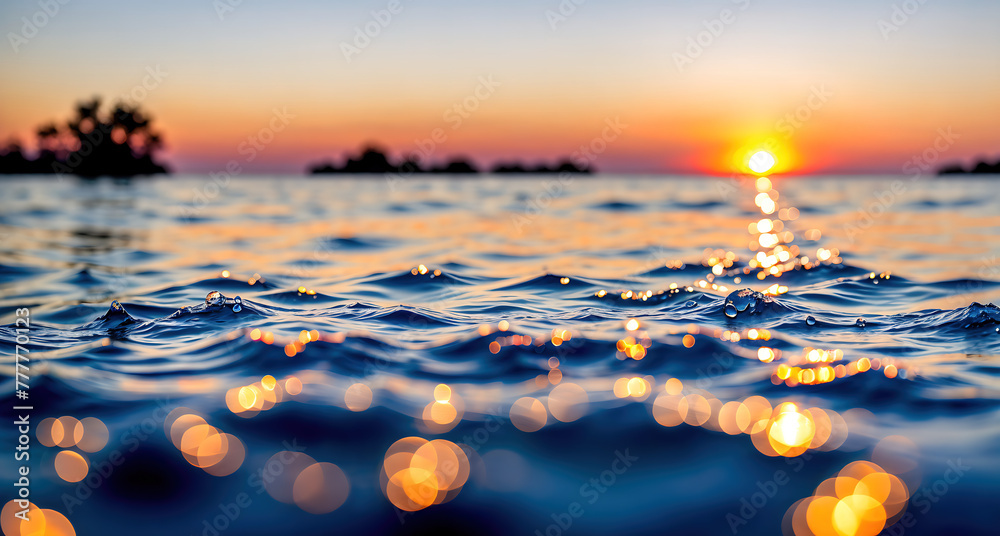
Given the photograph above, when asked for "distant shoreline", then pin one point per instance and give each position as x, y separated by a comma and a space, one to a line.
981, 167
373, 160
374, 177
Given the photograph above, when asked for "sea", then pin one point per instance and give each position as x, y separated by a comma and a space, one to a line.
531, 354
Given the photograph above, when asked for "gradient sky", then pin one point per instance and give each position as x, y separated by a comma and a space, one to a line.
886, 98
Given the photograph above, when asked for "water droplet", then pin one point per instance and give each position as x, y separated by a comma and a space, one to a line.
745, 300
861, 323
690, 303
215, 298
238, 300
811, 320
237, 308
115, 305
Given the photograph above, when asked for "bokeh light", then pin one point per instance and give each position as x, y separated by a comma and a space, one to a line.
71, 466
320, 488
417, 473
528, 414
568, 402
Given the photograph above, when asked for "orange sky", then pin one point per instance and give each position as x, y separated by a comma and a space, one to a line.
864, 102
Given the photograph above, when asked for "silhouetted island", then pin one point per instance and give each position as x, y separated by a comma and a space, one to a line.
981, 167
563, 166
374, 160
119, 143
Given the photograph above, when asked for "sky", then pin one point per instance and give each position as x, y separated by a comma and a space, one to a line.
853, 86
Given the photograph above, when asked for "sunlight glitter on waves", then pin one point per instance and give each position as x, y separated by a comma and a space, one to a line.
815, 368
446, 409
784, 430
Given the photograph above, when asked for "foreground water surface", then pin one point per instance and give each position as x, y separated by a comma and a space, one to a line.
505, 356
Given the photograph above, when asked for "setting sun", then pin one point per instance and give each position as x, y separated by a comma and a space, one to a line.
761, 162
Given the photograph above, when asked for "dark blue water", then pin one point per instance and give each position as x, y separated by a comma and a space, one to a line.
351, 288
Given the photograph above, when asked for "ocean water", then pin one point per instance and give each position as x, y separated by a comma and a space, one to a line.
579, 350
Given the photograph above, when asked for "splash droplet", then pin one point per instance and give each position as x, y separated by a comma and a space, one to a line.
690, 303
861, 323
811, 320
215, 298
237, 308
117, 311
745, 301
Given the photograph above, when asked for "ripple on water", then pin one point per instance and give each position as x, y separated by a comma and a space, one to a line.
583, 297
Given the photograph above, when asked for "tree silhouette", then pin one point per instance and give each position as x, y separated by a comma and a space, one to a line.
119, 143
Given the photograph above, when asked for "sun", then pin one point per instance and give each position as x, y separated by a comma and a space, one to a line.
761, 162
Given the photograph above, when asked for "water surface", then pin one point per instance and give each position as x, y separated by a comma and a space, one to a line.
397, 287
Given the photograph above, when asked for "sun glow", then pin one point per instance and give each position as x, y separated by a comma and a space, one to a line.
761, 162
